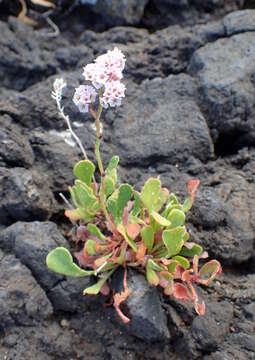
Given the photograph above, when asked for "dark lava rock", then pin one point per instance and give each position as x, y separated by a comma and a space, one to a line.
31, 243
68, 296
226, 72
162, 13
148, 321
250, 311
22, 62
34, 108
15, 149
149, 55
119, 12
210, 330
54, 157
22, 301
24, 196
162, 121
225, 217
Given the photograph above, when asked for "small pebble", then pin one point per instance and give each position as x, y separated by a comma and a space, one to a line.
64, 323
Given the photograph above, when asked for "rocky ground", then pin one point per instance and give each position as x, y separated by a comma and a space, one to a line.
189, 112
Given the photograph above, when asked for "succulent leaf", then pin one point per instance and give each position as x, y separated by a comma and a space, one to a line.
153, 265
176, 217
173, 240
151, 276
183, 261
95, 289
60, 260
209, 271
130, 242
133, 230
147, 234
112, 164
150, 193
124, 195
160, 219
93, 229
192, 250
90, 247
84, 171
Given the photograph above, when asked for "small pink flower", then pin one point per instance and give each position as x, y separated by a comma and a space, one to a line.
84, 96
106, 68
113, 94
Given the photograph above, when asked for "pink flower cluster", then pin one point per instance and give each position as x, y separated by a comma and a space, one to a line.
84, 96
105, 74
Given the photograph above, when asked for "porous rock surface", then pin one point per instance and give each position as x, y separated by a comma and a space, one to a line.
188, 113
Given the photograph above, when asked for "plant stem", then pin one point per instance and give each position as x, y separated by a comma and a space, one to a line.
76, 138
67, 120
100, 166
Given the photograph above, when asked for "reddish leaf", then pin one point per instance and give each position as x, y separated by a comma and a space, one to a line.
180, 292
105, 290
211, 269
178, 271
133, 230
84, 261
200, 308
158, 237
125, 216
192, 187
195, 264
165, 279
141, 251
120, 297
82, 233
187, 276
169, 289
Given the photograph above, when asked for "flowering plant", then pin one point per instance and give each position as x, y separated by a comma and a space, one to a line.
118, 226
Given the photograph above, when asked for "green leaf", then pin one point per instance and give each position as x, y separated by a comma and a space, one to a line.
162, 198
109, 185
176, 217
84, 195
73, 196
138, 205
191, 252
84, 171
170, 207
151, 276
130, 242
187, 205
112, 205
160, 219
183, 261
93, 229
112, 164
150, 193
74, 214
147, 234
90, 247
124, 195
111, 176
173, 199
153, 265
95, 289
173, 240
60, 260
172, 266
